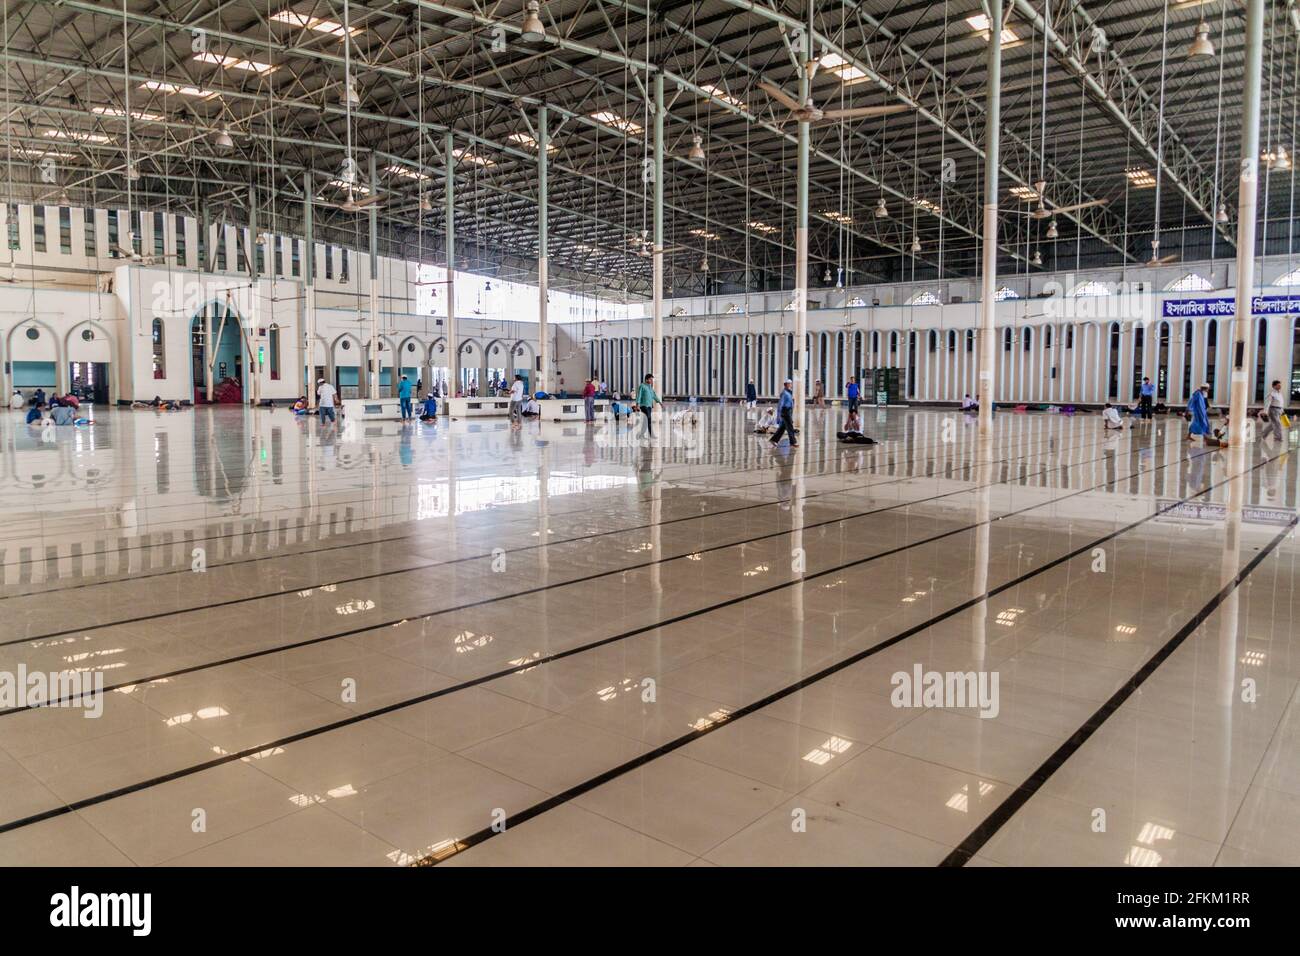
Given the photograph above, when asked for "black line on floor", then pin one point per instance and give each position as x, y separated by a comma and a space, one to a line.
183, 772
435, 564
308, 642
559, 799
978, 837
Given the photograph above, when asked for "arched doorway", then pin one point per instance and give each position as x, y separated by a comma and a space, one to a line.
224, 358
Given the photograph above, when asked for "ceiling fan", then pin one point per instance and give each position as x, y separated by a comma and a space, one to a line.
1041, 211
809, 112
352, 203
129, 253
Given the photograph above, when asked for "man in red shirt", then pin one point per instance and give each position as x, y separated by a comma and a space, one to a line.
589, 399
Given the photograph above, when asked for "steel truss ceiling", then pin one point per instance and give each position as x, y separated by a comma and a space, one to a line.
75, 69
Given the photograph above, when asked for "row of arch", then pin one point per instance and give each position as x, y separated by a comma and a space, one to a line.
37, 341
1057, 363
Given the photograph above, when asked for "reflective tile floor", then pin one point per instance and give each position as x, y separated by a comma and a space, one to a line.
464, 644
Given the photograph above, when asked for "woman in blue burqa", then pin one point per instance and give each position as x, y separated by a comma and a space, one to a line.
1199, 408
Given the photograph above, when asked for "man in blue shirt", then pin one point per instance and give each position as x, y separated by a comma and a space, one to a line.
1144, 402
785, 411
855, 395
404, 395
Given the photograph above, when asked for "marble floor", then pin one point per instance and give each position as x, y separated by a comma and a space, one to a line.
231, 637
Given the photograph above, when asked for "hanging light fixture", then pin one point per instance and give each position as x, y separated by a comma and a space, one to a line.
1052, 231
534, 30
132, 171
697, 149
1222, 215
350, 97
1201, 46
704, 264
425, 205
916, 245
1037, 260
222, 139
1281, 160
826, 276
882, 211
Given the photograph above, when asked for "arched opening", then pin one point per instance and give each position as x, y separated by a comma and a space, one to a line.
1261, 360
1162, 362
1211, 354
89, 352
158, 337
216, 349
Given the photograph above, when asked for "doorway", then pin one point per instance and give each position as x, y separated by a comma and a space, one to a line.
89, 381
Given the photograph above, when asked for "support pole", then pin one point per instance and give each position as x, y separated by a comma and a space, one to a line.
988, 284
453, 343
251, 321
657, 310
543, 346
374, 288
309, 292
801, 250
1247, 188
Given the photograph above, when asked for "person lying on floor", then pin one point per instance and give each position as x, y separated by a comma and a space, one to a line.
34, 414
853, 431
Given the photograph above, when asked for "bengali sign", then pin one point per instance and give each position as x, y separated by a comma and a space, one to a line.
1227, 307
1214, 511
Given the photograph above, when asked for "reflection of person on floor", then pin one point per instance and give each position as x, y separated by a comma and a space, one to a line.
1199, 408
853, 432
1110, 418
767, 423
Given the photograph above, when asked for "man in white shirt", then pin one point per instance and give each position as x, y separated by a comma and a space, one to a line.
325, 394
1110, 417
517, 401
1274, 407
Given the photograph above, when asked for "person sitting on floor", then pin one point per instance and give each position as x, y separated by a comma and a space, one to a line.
969, 404
300, 406
34, 414
72, 402
38, 397
532, 408
17, 401
429, 412
853, 431
767, 424
1110, 418
62, 415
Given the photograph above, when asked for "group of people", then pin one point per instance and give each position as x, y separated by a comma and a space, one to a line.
39, 400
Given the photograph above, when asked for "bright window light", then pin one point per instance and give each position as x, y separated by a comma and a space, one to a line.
980, 22
610, 118
1140, 178
1091, 287
1004, 293
158, 86
79, 137
135, 114
469, 156
720, 94
705, 234
928, 297
839, 217
235, 63
845, 70
319, 24
523, 139
406, 172
762, 227
1291, 278
927, 205
1191, 283
1025, 193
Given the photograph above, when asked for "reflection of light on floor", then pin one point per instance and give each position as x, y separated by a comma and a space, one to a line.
476, 494
1008, 617
203, 713
306, 800
1145, 855
717, 716
355, 607
1126, 629
960, 801
613, 690
828, 751
468, 640
915, 596
521, 661
437, 851
260, 755
73, 658
1254, 658
757, 569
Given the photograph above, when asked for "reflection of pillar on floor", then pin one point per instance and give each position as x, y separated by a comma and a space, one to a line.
796, 536
1228, 650
980, 578
543, 507
656, 514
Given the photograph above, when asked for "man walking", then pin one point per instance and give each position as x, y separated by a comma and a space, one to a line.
589, 399
404, 397
517, 401
325, 401
1275, 407
646, 399
855, 395
1144, 401
751, 394
785, 410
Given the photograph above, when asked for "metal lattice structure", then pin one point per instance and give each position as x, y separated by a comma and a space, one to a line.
1094, 95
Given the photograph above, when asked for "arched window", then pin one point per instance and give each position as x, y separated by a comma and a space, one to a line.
1211, 353
1291, 278
1188, 332
933, 342
1139, 341
1029, 339
1112, 386
1091, 287
1004, 293
159, 350
1192, 282
911, 364
1162, 362
925, 297
1006, 339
